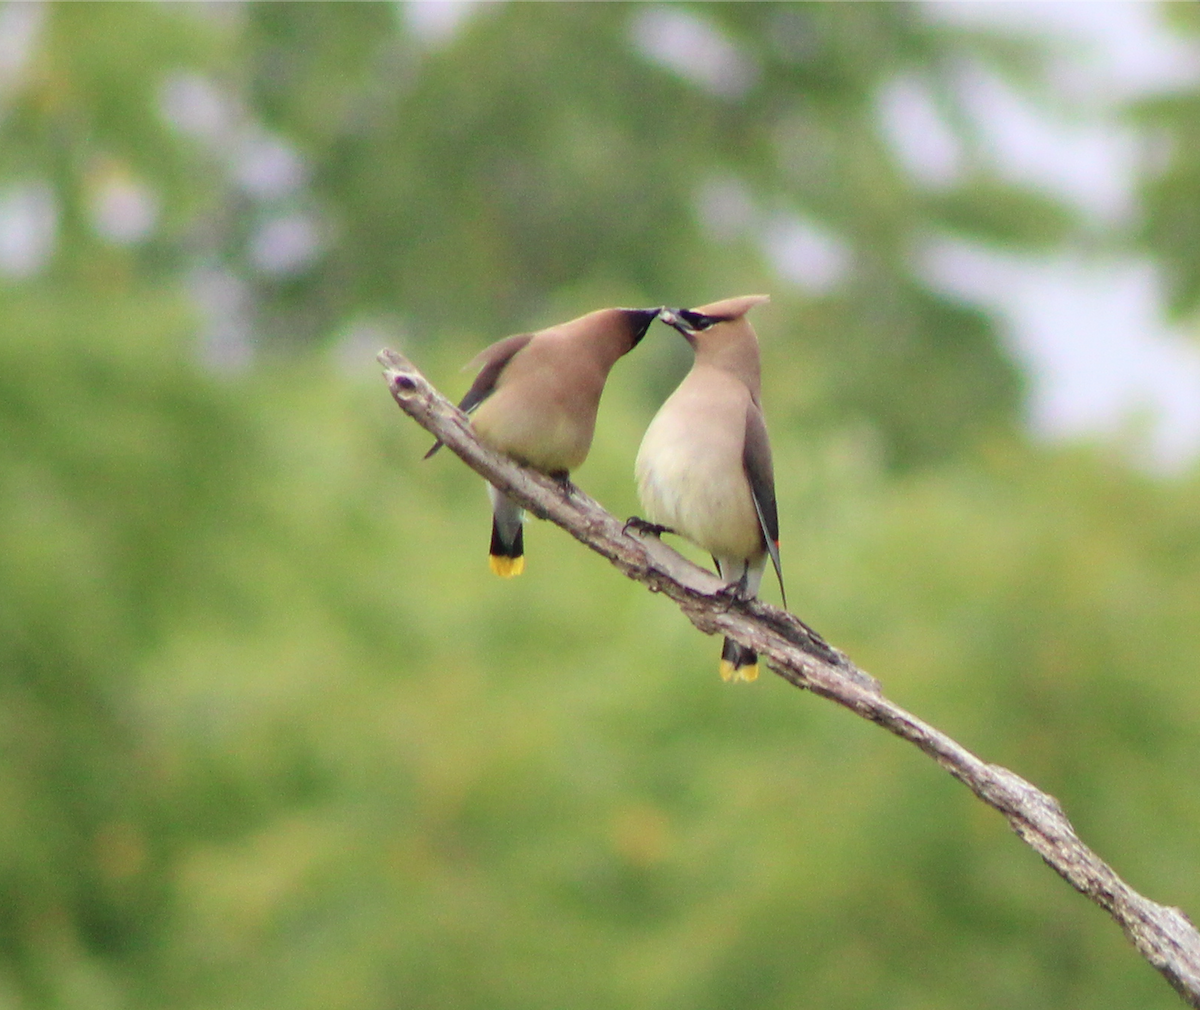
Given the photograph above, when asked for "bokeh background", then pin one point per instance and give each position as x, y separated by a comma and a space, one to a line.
270, 733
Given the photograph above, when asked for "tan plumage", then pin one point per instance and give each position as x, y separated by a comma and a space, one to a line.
535, 399
704, 466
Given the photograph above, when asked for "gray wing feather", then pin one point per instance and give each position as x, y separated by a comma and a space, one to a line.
756, 458
494, 359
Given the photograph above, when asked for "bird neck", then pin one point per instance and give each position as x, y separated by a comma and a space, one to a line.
737, 355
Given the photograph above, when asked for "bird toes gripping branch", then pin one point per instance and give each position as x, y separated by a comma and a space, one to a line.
645, 527
565, 484
734, 592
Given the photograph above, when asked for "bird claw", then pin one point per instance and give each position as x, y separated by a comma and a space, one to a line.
645, 527
733, 592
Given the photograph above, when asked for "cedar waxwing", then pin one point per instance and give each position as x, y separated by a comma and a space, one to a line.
535, 399
704, 467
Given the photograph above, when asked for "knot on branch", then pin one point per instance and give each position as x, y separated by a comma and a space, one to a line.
402, 376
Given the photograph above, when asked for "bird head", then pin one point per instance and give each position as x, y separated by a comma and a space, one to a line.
691, 322
722, 336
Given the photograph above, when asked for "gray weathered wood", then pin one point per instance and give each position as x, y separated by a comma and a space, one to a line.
1164, 936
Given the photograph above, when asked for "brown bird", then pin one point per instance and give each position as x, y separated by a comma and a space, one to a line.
704, 467
535, 399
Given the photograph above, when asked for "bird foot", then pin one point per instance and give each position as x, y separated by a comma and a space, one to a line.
640, 525
563, 479
733, 592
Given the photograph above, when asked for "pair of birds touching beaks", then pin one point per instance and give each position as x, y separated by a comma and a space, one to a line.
704, 467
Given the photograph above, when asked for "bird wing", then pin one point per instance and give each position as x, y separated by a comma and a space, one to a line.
756, 458
493, 359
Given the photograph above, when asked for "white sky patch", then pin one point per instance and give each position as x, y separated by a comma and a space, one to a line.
268, 167
919, 136
691, 46
28, 228
1091, 335
1090, 163
1109, 50
804, 253
20, 26
196, 107
262, 164
1091, 330
1103, 53
123, 210
436, 22
286, 245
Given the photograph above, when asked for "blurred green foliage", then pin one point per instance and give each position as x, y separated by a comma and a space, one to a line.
271, 736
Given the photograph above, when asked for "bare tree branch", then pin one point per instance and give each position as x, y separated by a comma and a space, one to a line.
1164, 936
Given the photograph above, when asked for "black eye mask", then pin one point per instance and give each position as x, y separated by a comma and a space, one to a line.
697, 320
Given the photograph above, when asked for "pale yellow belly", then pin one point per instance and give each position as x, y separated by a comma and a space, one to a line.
702, 495
548, 440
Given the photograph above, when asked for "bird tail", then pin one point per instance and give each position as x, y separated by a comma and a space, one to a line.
738, 662
506, 556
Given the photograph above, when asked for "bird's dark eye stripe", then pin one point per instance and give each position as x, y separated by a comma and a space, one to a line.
697, 320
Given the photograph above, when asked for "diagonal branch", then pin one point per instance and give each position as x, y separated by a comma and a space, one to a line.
1164, 936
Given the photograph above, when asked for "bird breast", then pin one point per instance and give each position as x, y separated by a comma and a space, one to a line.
545, 425
691, 476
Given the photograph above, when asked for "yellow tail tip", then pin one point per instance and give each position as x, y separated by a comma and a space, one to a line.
506, 568
729, 672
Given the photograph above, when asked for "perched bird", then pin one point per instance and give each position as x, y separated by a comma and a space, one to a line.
704, 467
535, 399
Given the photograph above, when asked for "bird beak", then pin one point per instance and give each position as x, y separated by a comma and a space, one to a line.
642, 318
688, 322
674, 319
